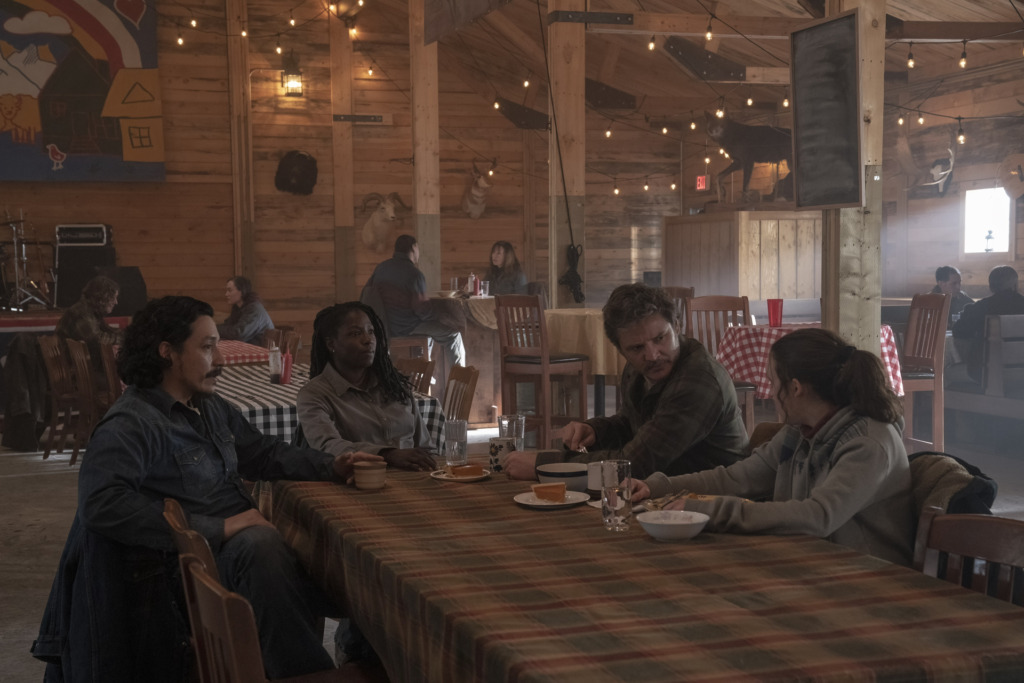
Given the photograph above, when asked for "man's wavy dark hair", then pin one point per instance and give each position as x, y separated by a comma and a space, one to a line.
169, 319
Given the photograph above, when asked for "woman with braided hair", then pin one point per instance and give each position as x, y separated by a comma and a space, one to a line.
356, 402
837, 470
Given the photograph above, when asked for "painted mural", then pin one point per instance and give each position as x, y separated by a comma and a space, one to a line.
79, 91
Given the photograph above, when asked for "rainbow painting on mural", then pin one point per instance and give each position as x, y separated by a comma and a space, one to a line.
80, 91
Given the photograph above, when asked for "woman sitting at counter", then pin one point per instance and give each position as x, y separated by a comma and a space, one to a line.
248, 319
356, 401
838, 470
505, 274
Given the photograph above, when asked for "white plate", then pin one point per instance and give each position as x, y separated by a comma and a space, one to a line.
444, 476
532, 501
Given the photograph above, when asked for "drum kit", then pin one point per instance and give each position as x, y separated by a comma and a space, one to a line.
21, 292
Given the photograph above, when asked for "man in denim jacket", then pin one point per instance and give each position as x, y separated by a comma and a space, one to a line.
112, 613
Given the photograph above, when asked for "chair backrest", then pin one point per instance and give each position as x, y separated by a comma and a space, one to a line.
187, 540
538, 288
227, 640
57, 364
272, 338
458, 392
522, 330
418, 370
679, 295
114, 388
708, 317
924, 343
88, 401
980, 552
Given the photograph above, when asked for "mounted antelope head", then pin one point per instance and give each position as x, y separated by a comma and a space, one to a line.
378, 226
474, 199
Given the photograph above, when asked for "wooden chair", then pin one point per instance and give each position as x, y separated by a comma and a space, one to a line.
63, 395
458, 392
523, 339
679, 295
92, 403
227, 641
418, 370
921, 365
707, 318
114, 388
979, 552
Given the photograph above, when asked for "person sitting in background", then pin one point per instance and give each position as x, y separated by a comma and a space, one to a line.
248, 319
969, 331
838, 470
356, 401
948, 281
679, 408
505, 274
84, 322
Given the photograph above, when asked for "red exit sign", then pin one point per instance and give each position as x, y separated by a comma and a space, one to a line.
703, 183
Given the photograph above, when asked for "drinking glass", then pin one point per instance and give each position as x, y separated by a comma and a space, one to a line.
774, 312
455, 435
616, 483
485, 288
513, 426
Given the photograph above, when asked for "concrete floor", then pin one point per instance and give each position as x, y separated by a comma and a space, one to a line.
38, 499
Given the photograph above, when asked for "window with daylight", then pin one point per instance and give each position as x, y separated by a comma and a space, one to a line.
986, 221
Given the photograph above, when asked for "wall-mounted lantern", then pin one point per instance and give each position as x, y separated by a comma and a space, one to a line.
291, 77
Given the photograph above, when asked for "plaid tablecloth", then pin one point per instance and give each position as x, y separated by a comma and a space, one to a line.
456, 582
240, 353
743, 352
271, 407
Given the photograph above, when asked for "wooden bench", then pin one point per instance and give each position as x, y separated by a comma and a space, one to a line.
1001, 391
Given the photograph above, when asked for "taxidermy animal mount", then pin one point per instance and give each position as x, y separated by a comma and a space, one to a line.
474, 199
941, 170
383, 218
749, 145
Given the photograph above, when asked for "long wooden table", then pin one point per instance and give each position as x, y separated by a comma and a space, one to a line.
455, 582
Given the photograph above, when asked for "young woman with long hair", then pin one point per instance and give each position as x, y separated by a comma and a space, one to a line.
505, 274
248, 319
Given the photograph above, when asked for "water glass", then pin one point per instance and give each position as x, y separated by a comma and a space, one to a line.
455, 435
485, 288
774, 312
616, 484
513, 426
455, 284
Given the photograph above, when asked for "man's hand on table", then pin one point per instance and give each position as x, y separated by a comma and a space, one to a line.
244, 520
410, 459
521, 465
343, 463
577, 435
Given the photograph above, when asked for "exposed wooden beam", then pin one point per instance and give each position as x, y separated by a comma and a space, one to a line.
816, 8
525, 43
346, 287
694, 25
443, 17
947, 31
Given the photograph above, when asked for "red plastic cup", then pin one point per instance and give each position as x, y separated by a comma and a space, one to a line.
774, 312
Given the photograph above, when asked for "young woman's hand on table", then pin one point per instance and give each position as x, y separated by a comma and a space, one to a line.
343, 463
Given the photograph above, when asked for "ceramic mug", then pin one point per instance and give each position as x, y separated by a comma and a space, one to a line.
369, 476
501, 446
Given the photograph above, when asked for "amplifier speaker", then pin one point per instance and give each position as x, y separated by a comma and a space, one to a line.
132, 296
76, 266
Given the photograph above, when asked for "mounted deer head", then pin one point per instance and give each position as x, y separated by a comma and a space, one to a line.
384, 217
474, 199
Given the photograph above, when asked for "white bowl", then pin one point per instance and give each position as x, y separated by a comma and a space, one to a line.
574, 474
672, 525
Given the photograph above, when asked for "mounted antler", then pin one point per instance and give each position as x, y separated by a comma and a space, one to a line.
474, 199
377, 227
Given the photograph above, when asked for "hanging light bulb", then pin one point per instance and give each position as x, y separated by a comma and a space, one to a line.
960, 137
725, 154
707, 160
899, 121
352, 31
673, 186
526, 82
181, 41
721, 151
497, 104
277, 48
244, 32
332, 8
650, 43
750, 101
963, 56
647, 185
193, 22
693, 125
608, 132
664, 130
369, 69
708, 35
920, 118
785, 100
910, 56
490, 171
291, 19
615, 188
720, 112
360, 3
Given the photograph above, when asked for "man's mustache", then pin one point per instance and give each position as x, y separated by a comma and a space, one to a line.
215, 372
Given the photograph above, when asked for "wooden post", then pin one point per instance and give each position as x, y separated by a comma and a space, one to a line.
239, 107
425, 145
346, 237
851, 265
529, 257
567, 147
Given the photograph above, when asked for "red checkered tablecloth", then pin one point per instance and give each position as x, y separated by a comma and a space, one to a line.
743, 352
240, 353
